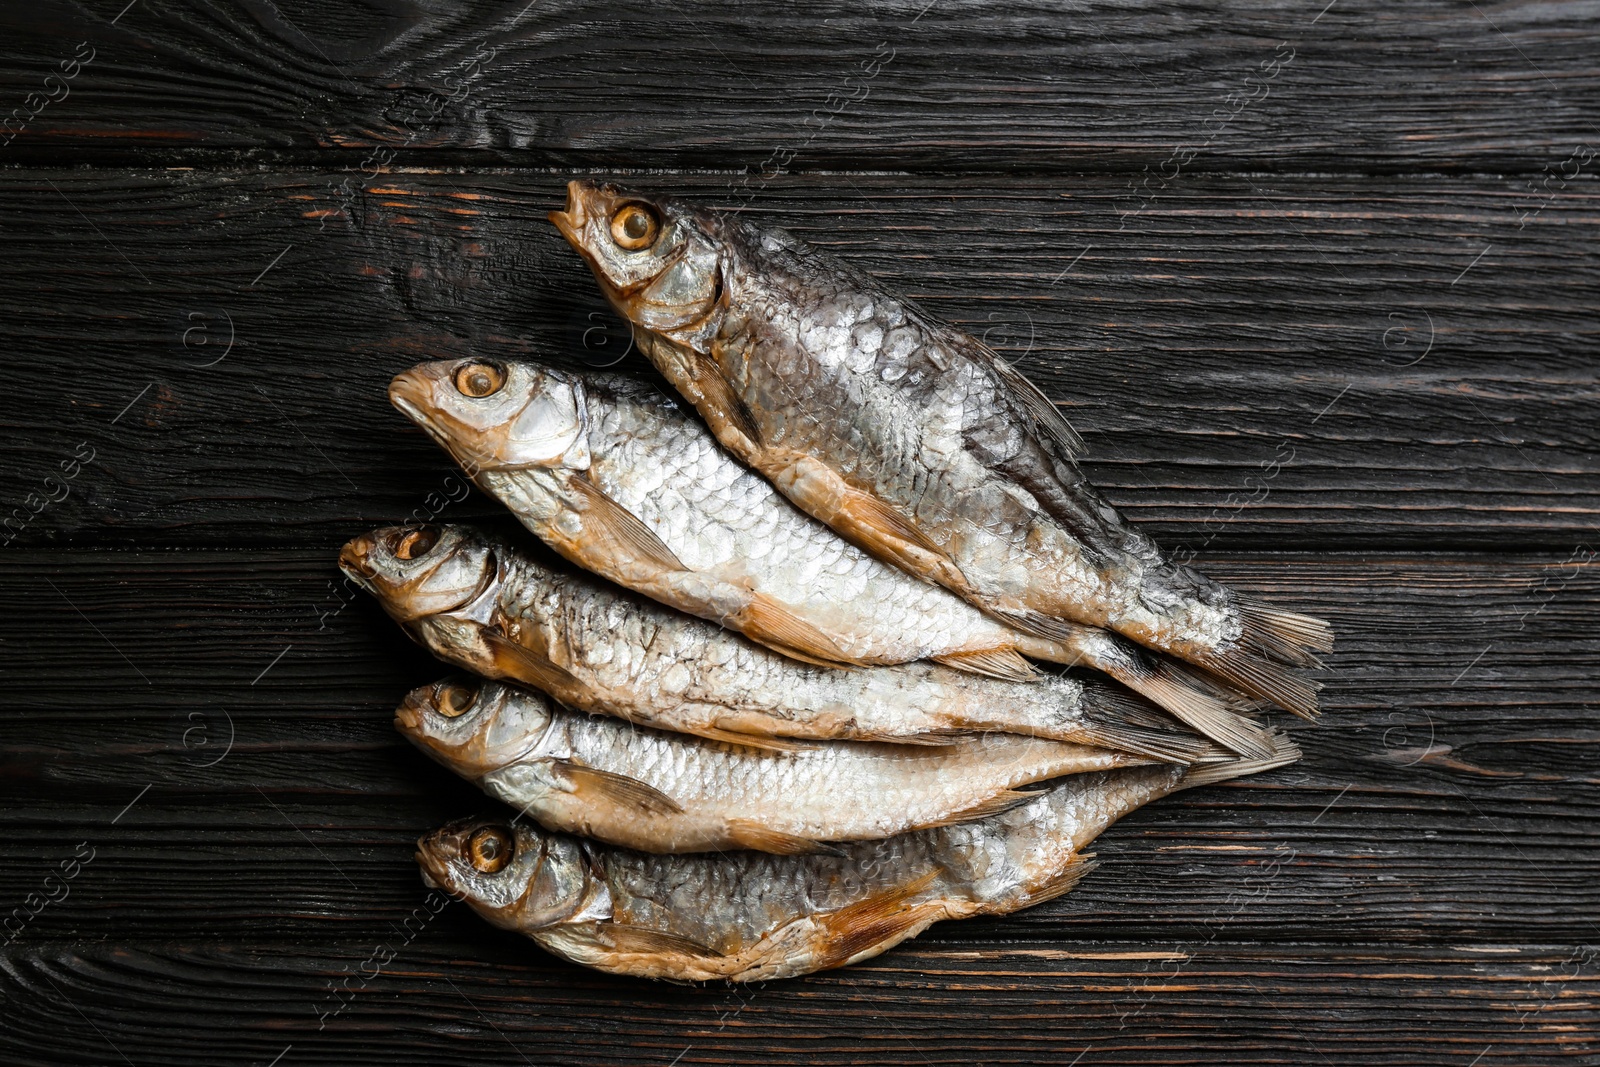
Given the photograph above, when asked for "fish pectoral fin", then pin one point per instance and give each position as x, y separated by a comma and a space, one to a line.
592, 783
1064, 880
1001, 802
621, 533
525, 664
747, 833
775, 625
1005, 663
878, 922
717, 392
639, 940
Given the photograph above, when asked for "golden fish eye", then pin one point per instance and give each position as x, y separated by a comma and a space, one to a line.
635, 226
490, 849
455, 699
418, 542
479, 380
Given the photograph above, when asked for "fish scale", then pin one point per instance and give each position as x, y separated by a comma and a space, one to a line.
912, 439
748, 916
483, 604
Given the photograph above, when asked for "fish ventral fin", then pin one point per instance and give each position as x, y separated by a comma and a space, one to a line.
1004, 663
877, 922
774, 624
1063, 881
747, 833
525, 664
733, 737
621, 533
593, 784
1000, 803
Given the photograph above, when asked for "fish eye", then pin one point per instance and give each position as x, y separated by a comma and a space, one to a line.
635, 226
489, 850
455, 699
418, 542
479, 380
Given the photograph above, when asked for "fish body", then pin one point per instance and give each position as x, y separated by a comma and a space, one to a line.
486, 606
910, 438
657, 791
617, 478
749, 916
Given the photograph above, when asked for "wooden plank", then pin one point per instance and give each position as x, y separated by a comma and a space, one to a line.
1269, 85
443, 1002
1279, 362
1447, 798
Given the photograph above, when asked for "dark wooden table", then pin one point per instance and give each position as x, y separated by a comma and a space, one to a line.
1318, 283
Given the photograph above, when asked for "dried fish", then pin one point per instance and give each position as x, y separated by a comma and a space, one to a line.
658, 791
910, 438
618, 479
482, 604
748, 916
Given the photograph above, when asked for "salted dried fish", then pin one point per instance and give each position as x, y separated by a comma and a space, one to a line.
659, 791
910, 438
620, 480
482, 604
748, 916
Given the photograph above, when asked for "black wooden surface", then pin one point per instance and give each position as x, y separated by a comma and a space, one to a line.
1340, 341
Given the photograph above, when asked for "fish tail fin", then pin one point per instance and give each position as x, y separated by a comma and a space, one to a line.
1285, 636
1193, 700
1246, 670
1281, 753
1200, 711
1116, 719
1003, 663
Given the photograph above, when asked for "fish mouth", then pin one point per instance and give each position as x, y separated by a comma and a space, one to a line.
408, 716
433, 875
354, 560
572, 221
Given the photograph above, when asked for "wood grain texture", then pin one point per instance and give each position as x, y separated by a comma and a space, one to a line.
1319, 282
908, 84
1446, 798
454, 997
1281, 362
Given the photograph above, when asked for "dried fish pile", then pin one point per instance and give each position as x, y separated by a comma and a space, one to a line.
784, 704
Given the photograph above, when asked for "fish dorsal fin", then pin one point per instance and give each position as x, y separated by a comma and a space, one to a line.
535, 667
620, 532
1003, 663
593, 784
1047, 420
747, 833
772, 745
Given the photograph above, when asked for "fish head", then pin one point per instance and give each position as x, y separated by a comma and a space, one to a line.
518, 877
416, 571
493, 415
473, 726
658, 261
